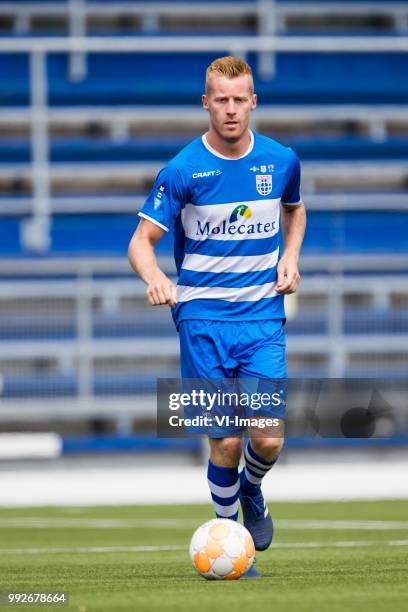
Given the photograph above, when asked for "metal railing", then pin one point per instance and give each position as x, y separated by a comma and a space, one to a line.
119, 204
79, 353
119, 118
150, 12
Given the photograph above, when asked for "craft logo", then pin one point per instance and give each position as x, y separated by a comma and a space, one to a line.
206, 174
240, 211
264, 184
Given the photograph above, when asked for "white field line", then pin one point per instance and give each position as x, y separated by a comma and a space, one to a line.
339, 524
79, 523
89, 549
341, 544
144, 549
168, 523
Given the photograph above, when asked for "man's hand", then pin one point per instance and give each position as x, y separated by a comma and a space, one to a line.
288, 276
161, 290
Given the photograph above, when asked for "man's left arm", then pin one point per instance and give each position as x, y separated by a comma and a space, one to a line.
293, 225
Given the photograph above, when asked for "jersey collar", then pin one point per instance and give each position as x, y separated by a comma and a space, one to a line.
215, 152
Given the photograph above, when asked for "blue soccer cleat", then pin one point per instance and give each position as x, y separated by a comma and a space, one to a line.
257, 520
251, 573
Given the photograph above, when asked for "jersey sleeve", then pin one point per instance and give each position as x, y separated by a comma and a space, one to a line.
164, 202
292, 193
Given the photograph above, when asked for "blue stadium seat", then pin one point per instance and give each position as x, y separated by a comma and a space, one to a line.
168, 1
14, 79
300, 79
140, 79
18, 150
109, 234
66, 385
64, 327
37, 1
338, 2
364, 320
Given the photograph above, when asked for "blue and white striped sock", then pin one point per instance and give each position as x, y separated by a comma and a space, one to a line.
224, 487
255, 469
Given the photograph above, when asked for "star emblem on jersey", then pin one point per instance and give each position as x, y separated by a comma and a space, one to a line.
264, 184
240, 211
159, 197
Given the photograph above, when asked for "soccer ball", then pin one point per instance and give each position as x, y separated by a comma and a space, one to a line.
222, 549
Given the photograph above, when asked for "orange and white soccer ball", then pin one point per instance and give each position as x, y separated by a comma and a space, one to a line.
222, 549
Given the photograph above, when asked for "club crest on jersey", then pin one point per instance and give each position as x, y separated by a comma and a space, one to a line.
264, 184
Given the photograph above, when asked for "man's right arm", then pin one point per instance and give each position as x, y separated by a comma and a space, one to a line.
160, 289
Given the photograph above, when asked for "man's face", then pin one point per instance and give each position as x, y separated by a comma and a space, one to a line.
229, 102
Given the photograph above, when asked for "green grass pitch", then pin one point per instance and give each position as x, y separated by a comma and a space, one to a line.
325, 557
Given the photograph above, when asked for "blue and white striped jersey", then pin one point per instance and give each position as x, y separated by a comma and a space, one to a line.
226, 219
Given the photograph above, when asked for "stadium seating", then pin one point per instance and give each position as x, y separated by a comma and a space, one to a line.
18, 150
300, 78
51, 381
136, 16
111, 129
334, 233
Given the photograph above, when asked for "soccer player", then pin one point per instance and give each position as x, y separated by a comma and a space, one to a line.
233, 199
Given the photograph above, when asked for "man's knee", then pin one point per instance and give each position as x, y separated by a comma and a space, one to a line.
267, 448
226, 452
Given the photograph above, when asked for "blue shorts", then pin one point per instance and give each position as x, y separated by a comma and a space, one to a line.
240, 350
232, 349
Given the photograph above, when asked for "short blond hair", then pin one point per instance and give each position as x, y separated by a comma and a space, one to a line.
230, 67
